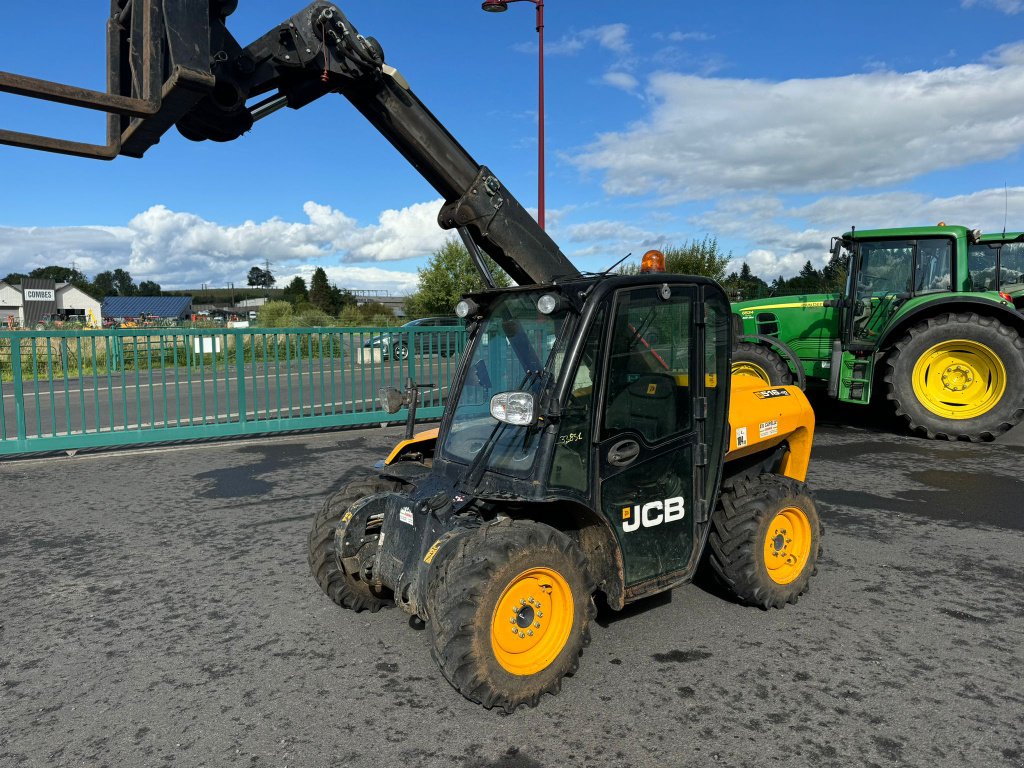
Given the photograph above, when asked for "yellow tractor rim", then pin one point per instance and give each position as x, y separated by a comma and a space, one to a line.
744, 368
532, 621
959, 379
787, 545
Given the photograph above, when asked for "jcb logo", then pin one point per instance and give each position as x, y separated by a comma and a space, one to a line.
653, 513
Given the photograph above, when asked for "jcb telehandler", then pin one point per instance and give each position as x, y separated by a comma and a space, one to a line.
593, 439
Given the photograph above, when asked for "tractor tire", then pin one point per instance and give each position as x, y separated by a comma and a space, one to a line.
958, 377
765, 540
510, 577
346, 590
757, 360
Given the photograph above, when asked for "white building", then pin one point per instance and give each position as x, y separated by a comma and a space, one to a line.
69, 303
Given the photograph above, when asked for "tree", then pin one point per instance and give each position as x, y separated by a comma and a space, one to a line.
149, 288
320, 291
261, 278
104, 285
124, 284
60, 275
14, 278
296, 291
745, 285
448, 275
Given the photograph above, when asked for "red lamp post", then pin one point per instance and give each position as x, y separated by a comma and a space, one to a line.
500, 6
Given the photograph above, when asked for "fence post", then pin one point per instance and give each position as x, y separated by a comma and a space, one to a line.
19, 389
240, 372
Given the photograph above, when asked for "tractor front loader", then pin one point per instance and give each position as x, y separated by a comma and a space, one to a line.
593, 438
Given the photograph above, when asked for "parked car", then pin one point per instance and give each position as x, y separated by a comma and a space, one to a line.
423, 340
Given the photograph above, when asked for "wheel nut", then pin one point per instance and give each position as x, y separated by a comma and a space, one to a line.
530, 633
522, 602
512, 620
522, 635
537, 625
515, 631
531, 601
540, 615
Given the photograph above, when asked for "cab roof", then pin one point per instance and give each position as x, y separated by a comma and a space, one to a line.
908, 232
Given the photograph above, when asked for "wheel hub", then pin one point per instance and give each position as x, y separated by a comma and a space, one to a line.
959, 379
530, 641
787, 545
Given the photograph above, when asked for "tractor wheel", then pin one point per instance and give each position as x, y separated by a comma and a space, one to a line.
347, 590
958, 377
763, 362
765, 540
510, 609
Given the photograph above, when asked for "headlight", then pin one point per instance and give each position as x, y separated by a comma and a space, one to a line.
516, 408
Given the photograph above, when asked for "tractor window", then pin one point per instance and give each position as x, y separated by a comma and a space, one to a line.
716, 370
1011, 267
981, 266
571, 466
885, 267
934, 258
649, 366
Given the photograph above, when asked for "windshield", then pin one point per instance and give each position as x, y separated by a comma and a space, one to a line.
1011, 267
516, 349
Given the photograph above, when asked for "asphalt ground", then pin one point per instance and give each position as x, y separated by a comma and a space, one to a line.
157, 611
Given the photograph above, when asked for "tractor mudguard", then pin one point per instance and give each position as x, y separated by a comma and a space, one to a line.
422, 443
396, 539
761, 418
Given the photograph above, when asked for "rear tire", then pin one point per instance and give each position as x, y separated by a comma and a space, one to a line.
765, 540
762, 362
958, 377
345, 589
510, 609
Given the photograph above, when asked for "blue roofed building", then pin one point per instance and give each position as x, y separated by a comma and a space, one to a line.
165, 307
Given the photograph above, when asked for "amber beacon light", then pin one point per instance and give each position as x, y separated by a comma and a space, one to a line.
653, 261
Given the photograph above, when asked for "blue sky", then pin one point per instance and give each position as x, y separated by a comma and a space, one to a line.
769, 125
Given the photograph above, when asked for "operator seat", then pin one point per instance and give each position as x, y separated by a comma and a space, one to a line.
647, 405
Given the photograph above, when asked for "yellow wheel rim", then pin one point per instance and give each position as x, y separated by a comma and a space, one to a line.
959, 379
787, 545
532, 621
743, 368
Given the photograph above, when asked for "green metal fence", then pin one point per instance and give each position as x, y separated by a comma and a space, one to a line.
65, 390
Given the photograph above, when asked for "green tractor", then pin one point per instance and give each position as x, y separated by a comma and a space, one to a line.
933, 314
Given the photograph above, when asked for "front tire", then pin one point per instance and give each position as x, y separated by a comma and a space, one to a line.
346, 590
510, 610
958, 377
762, 362
765, 539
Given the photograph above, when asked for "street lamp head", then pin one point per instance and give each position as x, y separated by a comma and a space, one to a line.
497, 6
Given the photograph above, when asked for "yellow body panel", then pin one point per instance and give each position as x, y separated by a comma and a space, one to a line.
761, 417
402, 447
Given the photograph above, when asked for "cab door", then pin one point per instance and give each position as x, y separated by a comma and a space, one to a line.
648, 440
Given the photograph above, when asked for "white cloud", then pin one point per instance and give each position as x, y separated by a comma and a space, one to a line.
612, 37
709, 136
1006, 6
682, 37
622, 80
179, 249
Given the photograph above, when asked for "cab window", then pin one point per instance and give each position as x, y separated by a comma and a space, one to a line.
649, 365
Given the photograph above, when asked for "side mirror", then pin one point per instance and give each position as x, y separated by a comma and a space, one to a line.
391, 400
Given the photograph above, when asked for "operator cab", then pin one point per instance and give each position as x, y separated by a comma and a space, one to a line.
597, 392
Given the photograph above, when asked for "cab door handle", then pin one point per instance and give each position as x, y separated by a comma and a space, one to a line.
623, 452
